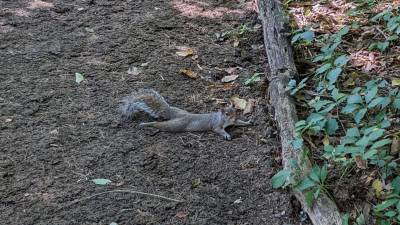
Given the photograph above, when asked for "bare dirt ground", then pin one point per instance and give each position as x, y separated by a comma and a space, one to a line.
56, 136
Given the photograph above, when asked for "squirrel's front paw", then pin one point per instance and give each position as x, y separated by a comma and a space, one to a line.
227, 137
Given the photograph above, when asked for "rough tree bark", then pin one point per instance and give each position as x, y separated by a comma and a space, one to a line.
282, 68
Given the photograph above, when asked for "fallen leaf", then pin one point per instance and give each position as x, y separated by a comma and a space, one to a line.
184, 51
55, 131
236, 43
377, 186
229, 86
231, 70
229, 78
237, 201
189, 73
101, 181
8, 120
395, 147
249, 106
239, 103
144, 64
196, 183
182, 214
79, 78
90, 30
396, 82
325, 141
134, 71
361, 163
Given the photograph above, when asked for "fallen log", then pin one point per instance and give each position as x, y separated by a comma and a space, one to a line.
282, 68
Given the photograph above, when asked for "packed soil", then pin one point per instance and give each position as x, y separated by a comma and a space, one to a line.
56, 135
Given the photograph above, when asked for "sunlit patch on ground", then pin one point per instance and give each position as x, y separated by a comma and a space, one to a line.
37, 4
18, 12
195, 8
367, 61
331, 17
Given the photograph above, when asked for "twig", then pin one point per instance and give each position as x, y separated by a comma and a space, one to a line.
380, 31
118, 191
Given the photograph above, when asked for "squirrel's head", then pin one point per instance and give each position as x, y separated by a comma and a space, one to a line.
230, 116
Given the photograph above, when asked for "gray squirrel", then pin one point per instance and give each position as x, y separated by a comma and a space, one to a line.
174, 119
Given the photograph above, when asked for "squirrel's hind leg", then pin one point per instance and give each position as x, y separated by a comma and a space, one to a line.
175, 125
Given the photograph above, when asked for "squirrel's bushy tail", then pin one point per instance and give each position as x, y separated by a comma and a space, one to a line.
143, 100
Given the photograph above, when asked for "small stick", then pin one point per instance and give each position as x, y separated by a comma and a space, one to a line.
118, 191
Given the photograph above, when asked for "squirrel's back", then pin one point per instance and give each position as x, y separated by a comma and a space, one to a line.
144, 100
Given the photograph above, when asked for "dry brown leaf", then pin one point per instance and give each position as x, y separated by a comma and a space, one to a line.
189, 73
182, 214
236, 43
134, 71
249, 106
185, 51
326, 141
231, 70
229, 78
395, 147
360, 162
239, 103
229, 86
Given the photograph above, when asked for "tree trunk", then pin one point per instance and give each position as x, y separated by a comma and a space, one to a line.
281, 63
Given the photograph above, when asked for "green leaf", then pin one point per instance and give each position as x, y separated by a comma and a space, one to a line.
315, 174
297, 143
379, 16
353, 132
386, 204
323, 68
350, 108
354, 99
344, 30
396, 103
363, 141
341, 60
318, 58
255, 78
390, 214
317, 105
79, 78
305, 184
333, 75
331, 126
396, 186
280, 179
308, 35
376, 134
310, 198
381, 143
295, 38
393, 37
375, 102
360, 220
345, 219
360, 115
371, 93
101, 181
337, 96
370, 154
385, 102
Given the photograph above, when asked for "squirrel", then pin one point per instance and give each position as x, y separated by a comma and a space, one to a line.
174, 119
